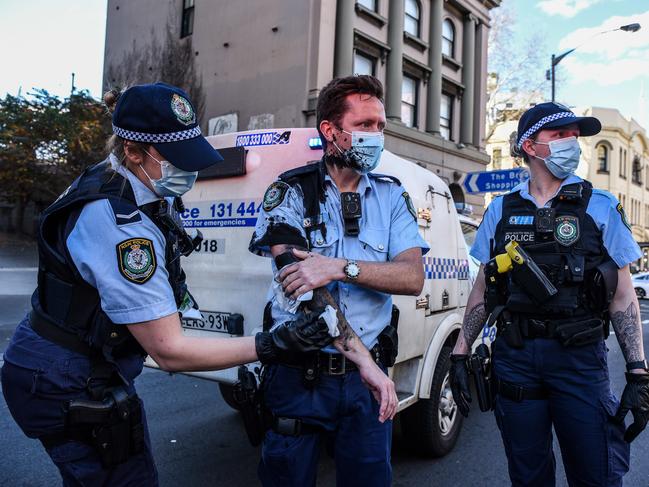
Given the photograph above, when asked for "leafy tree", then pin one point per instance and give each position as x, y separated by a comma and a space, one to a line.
45, 142
517, 65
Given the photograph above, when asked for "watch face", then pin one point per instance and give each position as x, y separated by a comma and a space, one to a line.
352, 270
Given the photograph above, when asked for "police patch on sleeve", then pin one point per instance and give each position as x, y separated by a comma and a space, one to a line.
620, 210
275, 195
566, 230
136, 259
409, 205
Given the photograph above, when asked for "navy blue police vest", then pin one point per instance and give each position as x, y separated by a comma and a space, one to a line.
65, 301
568, 249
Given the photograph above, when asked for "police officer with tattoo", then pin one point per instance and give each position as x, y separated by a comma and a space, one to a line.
110, 290
344, 236
555, 256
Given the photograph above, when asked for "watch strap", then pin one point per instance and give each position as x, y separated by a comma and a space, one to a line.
640, 364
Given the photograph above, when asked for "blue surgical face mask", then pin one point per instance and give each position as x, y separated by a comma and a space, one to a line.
364, 154
564, 157
173, 182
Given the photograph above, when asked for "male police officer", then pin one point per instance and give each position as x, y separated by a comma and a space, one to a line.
363, 244
550, 358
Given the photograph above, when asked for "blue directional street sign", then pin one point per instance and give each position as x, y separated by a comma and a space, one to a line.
499, 181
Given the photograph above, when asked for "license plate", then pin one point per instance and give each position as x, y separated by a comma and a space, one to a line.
212, 321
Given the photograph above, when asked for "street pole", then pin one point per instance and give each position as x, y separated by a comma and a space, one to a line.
557, 59
553, 64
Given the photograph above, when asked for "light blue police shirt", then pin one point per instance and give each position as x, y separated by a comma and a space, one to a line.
387, 228
602, 208
93, 246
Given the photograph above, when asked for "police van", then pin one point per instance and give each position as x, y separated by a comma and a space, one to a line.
231, 284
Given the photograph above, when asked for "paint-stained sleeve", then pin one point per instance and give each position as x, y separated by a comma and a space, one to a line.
280, 220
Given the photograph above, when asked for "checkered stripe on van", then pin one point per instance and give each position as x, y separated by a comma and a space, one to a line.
442, 268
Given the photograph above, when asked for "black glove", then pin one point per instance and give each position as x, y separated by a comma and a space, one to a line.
308, 333
635, 398
459, 377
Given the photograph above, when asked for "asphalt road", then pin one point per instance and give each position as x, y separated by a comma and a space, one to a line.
199, 441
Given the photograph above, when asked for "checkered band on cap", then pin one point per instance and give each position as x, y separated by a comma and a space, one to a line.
156, 138
538, 125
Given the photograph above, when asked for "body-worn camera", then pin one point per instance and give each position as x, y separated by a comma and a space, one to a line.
545, 220
352, 212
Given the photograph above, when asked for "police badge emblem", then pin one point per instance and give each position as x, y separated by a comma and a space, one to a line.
275, 195
409, 205
566, 230
136, 259
183, 110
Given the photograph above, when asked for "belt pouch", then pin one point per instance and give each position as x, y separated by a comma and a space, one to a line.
580, 333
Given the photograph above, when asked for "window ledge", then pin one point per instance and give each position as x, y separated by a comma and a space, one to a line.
451, 63
370, 15
414, 41
602, 171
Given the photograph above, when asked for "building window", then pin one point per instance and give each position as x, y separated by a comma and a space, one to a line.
622, 164
369, 4
409, 101
496, 159
446, 116
187, 27
448, 38
364, 64
636, 170
602, 158
411, 17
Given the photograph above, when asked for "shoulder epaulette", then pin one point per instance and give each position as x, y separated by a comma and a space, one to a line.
384, 177
292, 175
125, 211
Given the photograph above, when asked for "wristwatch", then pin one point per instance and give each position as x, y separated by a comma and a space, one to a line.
352, 270
640, 364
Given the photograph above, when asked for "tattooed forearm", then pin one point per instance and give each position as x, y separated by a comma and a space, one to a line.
629, 332
474, 321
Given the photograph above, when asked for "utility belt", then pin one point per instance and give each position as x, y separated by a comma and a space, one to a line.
111, 421
571, 332
332, 363
248, 395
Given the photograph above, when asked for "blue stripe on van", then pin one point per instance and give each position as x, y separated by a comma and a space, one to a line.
444, 268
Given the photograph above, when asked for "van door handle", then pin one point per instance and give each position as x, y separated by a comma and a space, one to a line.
423, 302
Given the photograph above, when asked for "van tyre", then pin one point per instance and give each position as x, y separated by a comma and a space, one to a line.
641, 293
227, 392
432, 426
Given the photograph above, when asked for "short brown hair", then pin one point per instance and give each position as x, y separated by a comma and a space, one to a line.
332, 103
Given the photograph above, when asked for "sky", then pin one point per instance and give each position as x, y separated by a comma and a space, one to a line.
607, 70
43, 41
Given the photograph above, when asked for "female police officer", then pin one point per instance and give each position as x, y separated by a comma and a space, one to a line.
109, 291
550, 357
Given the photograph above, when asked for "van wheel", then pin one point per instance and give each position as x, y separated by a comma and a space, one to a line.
641, 293
432, 426
228, 395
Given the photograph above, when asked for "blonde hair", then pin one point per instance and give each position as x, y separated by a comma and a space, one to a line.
115, 143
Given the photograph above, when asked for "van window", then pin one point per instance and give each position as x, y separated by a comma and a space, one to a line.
469, 232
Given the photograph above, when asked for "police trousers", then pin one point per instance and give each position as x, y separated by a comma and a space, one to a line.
348, 415
579, 405
38, 379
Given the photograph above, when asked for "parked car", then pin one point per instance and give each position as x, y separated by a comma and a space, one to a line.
641, 284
